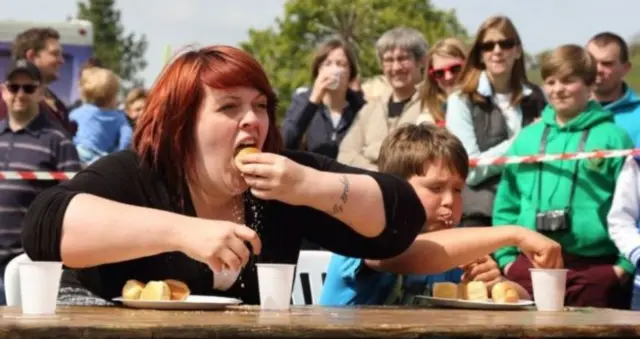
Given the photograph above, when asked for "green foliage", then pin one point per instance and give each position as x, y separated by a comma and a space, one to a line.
286, 49
120, 52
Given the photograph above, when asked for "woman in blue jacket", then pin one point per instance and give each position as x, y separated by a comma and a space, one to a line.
319, 117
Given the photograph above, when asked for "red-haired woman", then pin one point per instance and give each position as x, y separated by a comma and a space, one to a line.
177, 206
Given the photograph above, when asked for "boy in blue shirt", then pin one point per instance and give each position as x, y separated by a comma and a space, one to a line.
435, 163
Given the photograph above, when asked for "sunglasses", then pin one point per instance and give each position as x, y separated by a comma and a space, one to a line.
27, 88
440, 73
505, 44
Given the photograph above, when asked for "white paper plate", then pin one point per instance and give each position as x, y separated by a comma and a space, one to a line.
478, 305
193, 302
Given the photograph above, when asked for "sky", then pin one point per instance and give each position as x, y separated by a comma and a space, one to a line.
542, 24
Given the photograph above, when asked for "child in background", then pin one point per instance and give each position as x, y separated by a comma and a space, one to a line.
102, 128
435, 163
568, 200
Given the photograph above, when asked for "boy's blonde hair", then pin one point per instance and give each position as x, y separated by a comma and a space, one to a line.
567, 61
99, 86
406, 150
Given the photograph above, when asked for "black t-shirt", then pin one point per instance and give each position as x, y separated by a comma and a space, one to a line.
124, 178
396, 108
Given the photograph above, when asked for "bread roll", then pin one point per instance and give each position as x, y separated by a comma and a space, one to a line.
446, 290
473, 290
243, 152
179, 290
155, 291
132, 289
504, 292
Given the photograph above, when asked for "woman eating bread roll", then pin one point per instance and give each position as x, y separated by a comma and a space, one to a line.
186, 203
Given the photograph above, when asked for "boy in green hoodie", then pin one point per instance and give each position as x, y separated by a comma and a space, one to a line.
568, 200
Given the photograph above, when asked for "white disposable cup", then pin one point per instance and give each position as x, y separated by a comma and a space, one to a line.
39, 285
337, 77
275, 282
549, 287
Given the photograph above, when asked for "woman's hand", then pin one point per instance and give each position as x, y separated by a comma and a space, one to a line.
219, 244
484, 269
274, 177
320, 87
541, 251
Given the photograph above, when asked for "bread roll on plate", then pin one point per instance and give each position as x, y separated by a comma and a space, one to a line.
156, 291
179, 290
132, 290
242, 152
473, 290
504, 292
446, 290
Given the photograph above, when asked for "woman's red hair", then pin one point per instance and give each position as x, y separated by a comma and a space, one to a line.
164, 135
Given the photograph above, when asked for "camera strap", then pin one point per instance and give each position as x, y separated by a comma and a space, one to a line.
574, 177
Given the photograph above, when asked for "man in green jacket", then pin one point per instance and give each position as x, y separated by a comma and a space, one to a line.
568, 200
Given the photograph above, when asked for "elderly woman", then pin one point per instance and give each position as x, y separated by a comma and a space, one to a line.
180, 206
401, 52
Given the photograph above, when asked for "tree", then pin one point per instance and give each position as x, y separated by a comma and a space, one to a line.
120, 52
286, 49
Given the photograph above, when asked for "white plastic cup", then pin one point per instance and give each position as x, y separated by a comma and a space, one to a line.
274, 283
549, 287
337, 77
39, 285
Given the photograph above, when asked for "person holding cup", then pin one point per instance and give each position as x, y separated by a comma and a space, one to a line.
319, 118
184, 205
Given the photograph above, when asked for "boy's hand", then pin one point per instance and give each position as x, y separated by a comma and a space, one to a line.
484, 269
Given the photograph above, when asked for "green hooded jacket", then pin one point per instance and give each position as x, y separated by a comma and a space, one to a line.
517, 200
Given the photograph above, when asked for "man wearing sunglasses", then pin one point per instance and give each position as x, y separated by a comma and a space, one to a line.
41, 46
28, 142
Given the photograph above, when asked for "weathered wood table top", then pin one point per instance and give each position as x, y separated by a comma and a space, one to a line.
316, 322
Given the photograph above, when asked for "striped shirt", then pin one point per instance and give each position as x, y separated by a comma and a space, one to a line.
40, 146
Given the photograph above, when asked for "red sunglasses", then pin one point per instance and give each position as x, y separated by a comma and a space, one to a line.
440, 73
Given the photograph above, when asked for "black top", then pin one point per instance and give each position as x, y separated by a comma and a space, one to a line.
309, 126
124, 178
397, 107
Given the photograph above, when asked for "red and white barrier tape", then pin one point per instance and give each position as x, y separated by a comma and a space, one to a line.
35, 175
552, 157
44, 175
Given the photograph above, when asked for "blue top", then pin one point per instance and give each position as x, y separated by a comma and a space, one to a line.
626, 112
100, 129
350, 281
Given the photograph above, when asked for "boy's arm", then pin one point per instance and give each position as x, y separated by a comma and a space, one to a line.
441, 251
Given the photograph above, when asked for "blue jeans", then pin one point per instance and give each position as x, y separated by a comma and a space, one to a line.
635, 299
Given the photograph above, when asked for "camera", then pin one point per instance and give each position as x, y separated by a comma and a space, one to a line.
553, 221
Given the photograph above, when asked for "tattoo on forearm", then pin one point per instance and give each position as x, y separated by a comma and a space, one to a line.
338, 207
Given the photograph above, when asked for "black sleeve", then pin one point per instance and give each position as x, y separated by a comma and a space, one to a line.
404, 213
297, 119
112, 177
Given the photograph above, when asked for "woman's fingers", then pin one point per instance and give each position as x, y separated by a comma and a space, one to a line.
246, 234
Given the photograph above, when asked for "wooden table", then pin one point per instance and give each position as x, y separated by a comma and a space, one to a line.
315, 322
